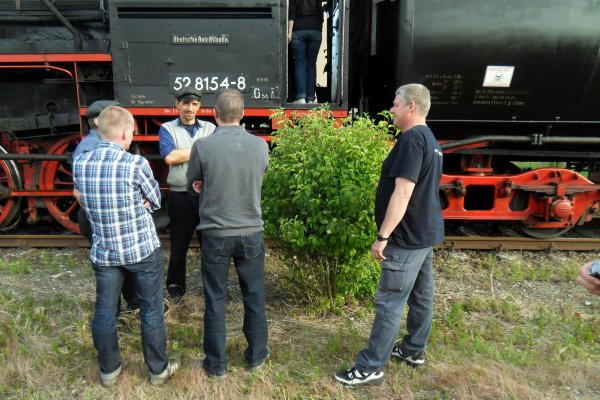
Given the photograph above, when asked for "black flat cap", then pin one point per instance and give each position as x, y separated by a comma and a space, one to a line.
188, 94
96, 107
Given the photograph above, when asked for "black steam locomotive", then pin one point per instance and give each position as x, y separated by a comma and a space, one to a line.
57, 57
514, 83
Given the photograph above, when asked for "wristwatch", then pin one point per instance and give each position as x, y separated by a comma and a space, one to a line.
381, 238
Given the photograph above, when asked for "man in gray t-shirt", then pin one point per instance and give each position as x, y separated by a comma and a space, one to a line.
227, 169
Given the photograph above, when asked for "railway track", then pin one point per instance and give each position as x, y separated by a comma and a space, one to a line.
451, 242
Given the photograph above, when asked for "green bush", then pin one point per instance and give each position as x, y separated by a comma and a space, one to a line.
318, 200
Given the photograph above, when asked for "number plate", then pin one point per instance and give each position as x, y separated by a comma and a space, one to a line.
207, 83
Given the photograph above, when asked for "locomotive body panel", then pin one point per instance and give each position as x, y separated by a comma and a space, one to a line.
159, 49
509, 61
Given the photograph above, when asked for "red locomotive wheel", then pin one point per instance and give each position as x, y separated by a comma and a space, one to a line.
58, 175
10, 179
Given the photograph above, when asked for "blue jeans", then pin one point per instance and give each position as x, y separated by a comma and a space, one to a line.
406, 276
248, 255
128, 290
147, 276
305, 49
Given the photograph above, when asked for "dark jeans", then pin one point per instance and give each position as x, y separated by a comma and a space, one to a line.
128, 290
305, 49
184, 214
248, 255
148, 277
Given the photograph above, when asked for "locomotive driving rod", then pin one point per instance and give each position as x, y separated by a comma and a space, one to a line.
57, 157
536, 139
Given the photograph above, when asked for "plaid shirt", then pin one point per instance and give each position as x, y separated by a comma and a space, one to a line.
113, 185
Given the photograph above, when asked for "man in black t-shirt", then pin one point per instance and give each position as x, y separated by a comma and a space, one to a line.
409, 222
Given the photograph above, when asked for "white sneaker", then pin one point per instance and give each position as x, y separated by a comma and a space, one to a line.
312, 101
353, 377
299, 101
160, 379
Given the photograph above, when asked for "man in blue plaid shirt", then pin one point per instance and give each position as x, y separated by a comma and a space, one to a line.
118, 192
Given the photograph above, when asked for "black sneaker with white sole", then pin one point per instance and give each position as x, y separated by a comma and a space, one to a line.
353, 377
414, 361
176, 292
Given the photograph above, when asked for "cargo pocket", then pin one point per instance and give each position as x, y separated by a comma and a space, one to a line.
393, 276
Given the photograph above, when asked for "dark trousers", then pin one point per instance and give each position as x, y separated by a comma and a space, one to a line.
128, 289
185, 217
248, 254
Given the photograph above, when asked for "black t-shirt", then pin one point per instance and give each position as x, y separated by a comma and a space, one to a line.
416, 156
306, 14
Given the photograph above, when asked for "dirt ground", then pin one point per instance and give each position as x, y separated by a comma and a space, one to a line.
68, 272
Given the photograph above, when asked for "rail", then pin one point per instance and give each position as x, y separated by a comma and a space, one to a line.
451, 242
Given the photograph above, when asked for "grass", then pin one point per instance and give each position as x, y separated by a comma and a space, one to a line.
507, 326
13, 267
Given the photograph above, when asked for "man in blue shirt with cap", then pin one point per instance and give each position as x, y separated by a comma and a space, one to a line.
176, 138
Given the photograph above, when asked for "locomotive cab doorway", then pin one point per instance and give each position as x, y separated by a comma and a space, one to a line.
332, 77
